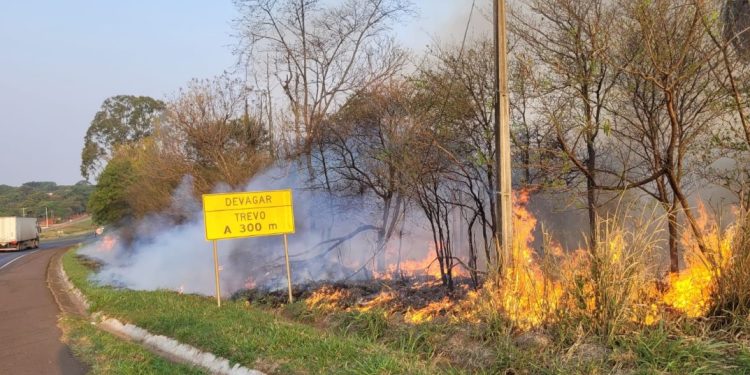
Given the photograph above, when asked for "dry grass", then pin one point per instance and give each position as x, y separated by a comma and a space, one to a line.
599, 292
579, 312
610, 288
588, 311
730, 306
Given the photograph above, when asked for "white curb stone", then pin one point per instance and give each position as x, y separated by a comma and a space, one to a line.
173, 348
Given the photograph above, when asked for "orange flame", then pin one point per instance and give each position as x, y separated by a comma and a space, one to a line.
327, 298
429, 312
527, 295
532, 293
426, 266
107, 243
690, 290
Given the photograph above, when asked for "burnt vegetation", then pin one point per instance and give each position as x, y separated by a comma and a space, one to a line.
623, 112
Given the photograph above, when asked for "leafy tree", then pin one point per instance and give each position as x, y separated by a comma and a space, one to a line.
109, 201
672, 57
61, 201
570, 40
121, 120
209, 129
207, 133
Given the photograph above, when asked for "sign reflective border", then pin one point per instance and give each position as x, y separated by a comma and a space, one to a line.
248, 214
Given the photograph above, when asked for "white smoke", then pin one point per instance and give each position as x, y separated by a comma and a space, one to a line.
165, 255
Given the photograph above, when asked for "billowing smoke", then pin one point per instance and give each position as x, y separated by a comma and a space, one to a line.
160, 254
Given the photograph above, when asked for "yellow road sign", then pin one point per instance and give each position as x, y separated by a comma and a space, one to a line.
248, 214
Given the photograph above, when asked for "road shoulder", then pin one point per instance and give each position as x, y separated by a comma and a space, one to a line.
29, 334
71, 299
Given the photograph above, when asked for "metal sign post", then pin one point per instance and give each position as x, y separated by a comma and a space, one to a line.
248, 214
288, 269
216, 272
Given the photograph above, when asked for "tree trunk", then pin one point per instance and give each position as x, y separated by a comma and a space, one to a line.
591, 195
670, 207
473, 252
380, 249
680, 196
325, 168
674, 259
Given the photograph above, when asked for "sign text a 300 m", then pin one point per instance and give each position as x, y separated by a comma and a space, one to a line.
248, 214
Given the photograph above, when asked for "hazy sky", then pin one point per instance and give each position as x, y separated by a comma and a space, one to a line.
60, 59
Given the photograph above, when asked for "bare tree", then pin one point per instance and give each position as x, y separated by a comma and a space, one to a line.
731, 140
320, 54
426, 169
570, 39
673, 55
364, 144
456, 95
641, 125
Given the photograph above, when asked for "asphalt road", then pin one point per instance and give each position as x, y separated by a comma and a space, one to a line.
29, 336
9, 257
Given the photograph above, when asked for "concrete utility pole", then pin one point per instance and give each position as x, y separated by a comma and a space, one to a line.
504, 230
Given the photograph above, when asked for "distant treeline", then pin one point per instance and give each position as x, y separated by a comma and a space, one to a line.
60, 201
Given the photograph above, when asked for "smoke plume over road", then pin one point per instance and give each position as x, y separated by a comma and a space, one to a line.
157, 253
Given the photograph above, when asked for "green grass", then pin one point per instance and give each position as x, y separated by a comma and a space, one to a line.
658, 351
246, 335
80, 227
421, 339
107, 354
684, 347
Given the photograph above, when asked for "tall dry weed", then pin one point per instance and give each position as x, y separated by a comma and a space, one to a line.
608, 289
587, 291
730, 297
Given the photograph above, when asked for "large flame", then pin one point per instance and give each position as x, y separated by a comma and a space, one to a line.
531, 293
690, 290
527, 295
537, 288
428, 266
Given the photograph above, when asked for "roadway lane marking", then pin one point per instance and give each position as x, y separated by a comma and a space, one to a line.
17, 258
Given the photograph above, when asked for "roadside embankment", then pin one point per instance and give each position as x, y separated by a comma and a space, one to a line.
236, 333
76, 305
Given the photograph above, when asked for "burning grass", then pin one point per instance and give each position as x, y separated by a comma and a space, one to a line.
607, 303
584, 313
608, 289
730, 295
414, 300
553, 311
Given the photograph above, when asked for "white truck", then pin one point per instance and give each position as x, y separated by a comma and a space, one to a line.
18, 233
